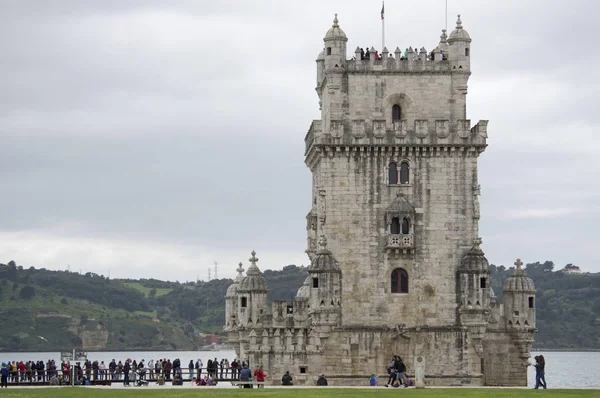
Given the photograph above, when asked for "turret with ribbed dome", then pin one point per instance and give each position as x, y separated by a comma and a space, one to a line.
326, 287
252, 295
519, 299
231, 300
473, 274
335, 46
459, 47
304, 290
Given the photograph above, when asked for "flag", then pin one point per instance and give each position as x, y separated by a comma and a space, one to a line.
382, 7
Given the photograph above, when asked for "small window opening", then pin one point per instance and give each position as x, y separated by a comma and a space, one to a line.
233, 317
393, 173
399, 281
396, 113
516, 313
467, 51
405, 226
526, 323
483, 283
290, 309
328, 50
482, 365
404, 173
244, 302
260, 311
530, 302
315, 282
302, 369
395, 227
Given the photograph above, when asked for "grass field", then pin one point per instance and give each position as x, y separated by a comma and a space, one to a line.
146, 290
291, 392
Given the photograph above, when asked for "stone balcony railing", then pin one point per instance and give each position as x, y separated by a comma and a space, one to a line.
400, 241
400, 244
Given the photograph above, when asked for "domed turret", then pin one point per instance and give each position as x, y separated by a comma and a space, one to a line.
252, 295
320, 67
519, 299
519, 281
324, 260
231, 300
335, 46
475, 259
459, 48
325, 287
253, 281
232, 289
304, 290
335, 32
441, 50
459, 34
473, 274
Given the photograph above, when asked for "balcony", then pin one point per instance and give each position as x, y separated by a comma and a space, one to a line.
400, 244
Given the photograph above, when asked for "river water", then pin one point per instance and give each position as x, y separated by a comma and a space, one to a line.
571, 369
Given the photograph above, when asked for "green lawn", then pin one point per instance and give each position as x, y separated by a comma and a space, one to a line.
161, 291
290, 393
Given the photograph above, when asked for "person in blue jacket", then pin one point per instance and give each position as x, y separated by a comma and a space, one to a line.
4, 376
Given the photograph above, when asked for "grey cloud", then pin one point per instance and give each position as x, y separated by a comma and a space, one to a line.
166, 123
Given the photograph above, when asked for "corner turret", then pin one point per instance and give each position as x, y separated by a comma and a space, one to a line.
459, 47
231, 300
474, 279
326, 287
252, 294
335, 46
519, 300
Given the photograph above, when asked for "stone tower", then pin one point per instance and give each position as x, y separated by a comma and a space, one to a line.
392, 233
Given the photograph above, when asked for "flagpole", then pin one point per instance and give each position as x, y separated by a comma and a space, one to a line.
446, 15
382, 26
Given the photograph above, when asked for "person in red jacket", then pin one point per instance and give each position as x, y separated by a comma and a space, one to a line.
259, 375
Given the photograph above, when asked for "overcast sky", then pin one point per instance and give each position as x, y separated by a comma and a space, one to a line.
151, 139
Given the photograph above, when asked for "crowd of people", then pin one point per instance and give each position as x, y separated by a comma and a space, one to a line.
366, 55
84, 372
163, 370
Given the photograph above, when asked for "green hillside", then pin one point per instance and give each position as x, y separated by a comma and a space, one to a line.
567, 306
55, 310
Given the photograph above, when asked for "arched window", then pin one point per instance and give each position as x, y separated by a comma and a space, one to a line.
404, 173
405, 226
396, 113
399, 281
393, 173
395, 227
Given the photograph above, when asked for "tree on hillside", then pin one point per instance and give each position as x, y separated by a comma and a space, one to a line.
27, 292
